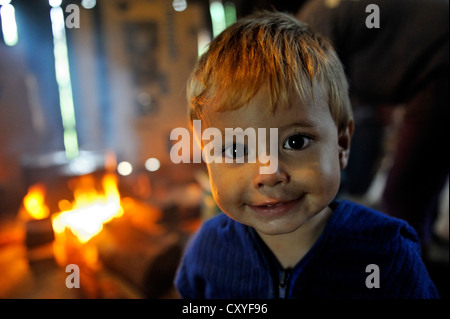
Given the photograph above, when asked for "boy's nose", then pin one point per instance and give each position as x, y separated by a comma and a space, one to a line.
280, 176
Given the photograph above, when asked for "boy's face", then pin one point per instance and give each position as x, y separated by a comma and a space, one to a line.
311, 155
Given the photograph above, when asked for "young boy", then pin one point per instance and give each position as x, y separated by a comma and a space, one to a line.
283, 234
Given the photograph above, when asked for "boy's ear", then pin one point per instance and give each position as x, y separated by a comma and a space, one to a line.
344, 140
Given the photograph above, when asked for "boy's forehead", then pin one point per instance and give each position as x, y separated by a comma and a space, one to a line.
260, 113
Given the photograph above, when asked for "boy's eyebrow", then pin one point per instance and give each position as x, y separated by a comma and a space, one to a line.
306, 124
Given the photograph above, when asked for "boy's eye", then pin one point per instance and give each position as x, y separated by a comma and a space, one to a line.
297, 142
235, 151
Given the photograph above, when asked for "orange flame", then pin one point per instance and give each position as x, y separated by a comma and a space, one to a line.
90, 209
34, 202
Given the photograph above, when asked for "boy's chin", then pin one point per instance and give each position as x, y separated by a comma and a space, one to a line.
276, 230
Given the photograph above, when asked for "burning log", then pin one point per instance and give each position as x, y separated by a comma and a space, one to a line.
146, 257
38, 232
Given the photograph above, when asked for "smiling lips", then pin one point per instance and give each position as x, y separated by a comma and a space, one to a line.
275, 208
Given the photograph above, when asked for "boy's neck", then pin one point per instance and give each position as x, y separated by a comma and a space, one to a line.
290, 248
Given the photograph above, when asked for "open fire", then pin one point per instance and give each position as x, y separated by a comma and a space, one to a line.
86, 214
80, 219
90, 209
114, 238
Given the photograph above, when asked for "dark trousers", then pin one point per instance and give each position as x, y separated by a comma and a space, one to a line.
420, 164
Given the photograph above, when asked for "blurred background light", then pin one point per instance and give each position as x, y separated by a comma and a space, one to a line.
9, 26
55, 3
81, 166
179, 5
124, 168
88, 4
152, 164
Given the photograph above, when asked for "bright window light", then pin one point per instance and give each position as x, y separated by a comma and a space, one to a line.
230, 13
64, 83
217, 13
203, 39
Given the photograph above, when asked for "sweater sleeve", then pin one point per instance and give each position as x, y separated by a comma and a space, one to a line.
187, 283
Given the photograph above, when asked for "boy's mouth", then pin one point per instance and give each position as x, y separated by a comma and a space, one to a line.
275, 208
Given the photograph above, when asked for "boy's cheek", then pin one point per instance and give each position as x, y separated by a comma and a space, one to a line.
221, 197
216, 176
221, 181
226, 184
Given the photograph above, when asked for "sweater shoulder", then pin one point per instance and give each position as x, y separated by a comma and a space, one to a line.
215, 233
360, 222
359, 237
220, 226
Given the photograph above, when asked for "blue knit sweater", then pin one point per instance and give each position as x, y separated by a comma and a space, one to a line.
226, 259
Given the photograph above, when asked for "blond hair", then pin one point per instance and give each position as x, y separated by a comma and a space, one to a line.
270, 48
